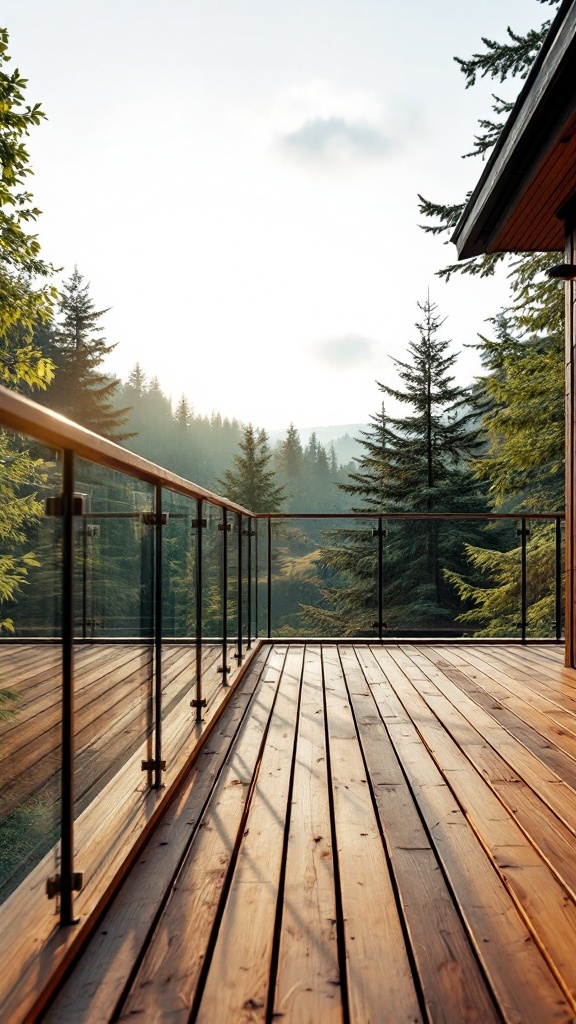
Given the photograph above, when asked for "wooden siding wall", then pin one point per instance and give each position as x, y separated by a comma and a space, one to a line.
570, 620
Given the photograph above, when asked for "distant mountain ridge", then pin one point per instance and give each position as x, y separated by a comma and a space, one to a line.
342, 436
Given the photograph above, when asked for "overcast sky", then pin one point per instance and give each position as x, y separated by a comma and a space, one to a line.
238, 181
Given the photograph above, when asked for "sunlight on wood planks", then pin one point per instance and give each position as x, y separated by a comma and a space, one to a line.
371, 834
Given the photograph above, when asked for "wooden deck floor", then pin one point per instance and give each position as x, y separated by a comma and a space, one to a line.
372, 834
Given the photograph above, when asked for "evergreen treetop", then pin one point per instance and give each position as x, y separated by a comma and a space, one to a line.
427, 450
81, 390
251, 480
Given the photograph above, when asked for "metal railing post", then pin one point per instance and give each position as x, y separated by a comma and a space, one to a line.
84, 578
559, 602
199, 523
249, 584
158, 594
380, 581
524, 533
269, 587
380, 534
224, 527
256, 581
239, 589
66, 884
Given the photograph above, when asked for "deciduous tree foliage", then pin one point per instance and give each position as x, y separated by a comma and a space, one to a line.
26, 298
26, 295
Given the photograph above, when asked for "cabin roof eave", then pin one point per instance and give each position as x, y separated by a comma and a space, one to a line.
530, 173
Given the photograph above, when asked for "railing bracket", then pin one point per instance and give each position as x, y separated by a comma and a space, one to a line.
54, 506
195, 703
150, 519
198, 522
151, 766
379, 625
380, 533
227, 527
54, 884
223, 668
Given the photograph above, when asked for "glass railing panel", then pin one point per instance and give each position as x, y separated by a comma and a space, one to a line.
234, 604
544, 567
216, 646
445, 578
248, 562
114, 655
324, 577
30, 660
179, 604
260, 542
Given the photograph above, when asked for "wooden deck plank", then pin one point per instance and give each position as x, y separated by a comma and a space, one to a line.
465, 722
93, 992
431, 855
379, 976
555, 683
184, 930
521, 980
515, 691
31, 946
308, 975
237, 984
538, 894
527, 732
452, 982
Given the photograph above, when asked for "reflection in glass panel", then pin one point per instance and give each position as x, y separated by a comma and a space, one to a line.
324, 578
260, 577
543, 608
179, 566
30, 659
114, 602
232, 618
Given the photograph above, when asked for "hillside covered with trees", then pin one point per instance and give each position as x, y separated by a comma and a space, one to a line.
495, 445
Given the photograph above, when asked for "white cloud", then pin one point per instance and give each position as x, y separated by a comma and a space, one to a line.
344, 352
335, 138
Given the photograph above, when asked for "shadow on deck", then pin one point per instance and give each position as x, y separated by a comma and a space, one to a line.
369, 834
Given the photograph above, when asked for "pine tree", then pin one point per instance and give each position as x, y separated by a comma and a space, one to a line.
499, 61
521, 392
251, 481
415, 463
432, 443
136, 384
80, 389
289, 459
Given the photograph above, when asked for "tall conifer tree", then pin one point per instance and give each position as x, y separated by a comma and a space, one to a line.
251, 481
415, 463
81, 390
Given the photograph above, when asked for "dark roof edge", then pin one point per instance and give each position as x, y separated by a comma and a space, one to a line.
551, 35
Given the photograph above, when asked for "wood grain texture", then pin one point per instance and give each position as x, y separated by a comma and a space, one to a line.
402, 814
238, 977
452, 982
380, 983
94, 991
504, 944
308, 976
